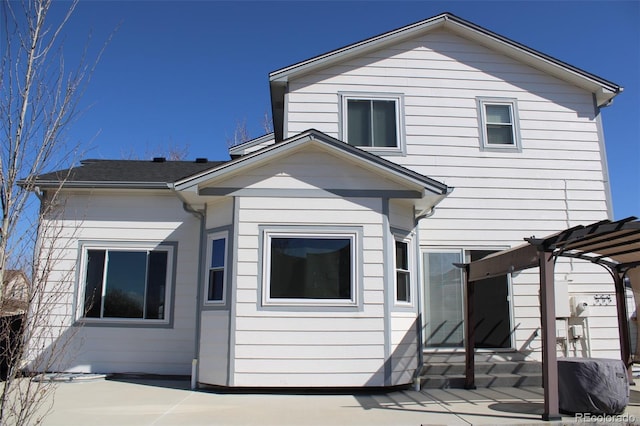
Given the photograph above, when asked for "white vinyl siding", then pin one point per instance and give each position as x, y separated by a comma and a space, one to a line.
339, 344
555, 181
120, 218
282, 346
213, 359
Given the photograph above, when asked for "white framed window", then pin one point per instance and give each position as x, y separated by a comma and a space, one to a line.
499, 128
216, 279
403, 271
308, 268
373, 122
128, 282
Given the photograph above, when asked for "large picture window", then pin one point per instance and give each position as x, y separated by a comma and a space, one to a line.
127, 283
310, 269
373, 122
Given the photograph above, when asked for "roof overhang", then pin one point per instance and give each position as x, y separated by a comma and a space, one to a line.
613, 245
603, 90
425, 192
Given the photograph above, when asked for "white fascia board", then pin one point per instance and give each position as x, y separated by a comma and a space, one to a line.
604, 90
373, 43
535, 59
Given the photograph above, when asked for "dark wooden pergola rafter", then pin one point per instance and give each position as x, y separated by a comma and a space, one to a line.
613, 245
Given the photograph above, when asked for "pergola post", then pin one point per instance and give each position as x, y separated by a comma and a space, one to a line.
623, 323
548, 320
469, 334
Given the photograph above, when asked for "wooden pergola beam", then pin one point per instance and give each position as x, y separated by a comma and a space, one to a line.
541, 252
548, 326
503, 263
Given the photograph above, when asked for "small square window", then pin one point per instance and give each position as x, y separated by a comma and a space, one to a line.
373, 122
498, 124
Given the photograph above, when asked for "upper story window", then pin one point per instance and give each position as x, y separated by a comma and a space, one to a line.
127, 282
499, 128
373, 122
217, 261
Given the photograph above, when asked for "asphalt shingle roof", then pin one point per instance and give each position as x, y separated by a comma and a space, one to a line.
122, 172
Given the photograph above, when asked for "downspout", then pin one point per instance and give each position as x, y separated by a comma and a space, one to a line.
603, 155
201, 216
420, 346
39, 193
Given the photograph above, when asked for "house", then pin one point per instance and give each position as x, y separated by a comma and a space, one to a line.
322, 254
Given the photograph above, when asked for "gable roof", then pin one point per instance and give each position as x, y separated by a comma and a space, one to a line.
604, 90
314, 136
138, 174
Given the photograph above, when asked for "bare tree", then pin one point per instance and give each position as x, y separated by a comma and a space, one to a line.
39, 99
240, 134
267, 122
171, 151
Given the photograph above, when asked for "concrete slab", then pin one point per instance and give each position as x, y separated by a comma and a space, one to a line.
160, 402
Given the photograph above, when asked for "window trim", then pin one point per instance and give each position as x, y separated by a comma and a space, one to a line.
172, 256
398, 98
409, 271
482, 102
269, 232
220, 235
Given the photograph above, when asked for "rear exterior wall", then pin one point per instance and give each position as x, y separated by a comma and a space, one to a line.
557, 180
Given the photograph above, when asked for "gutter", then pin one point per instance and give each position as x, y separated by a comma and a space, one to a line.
101, 184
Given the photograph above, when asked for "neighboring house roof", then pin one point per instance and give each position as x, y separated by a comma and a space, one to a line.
16, 294
430, 187
139, 174
240, 148
604, 90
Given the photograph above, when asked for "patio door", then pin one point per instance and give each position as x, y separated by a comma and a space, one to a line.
444, 303
492, 309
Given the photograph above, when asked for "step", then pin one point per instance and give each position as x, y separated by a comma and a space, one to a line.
499, 367
456, 381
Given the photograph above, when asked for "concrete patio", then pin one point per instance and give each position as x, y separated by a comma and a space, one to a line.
170, 402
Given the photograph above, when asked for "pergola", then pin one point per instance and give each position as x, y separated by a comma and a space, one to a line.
613, 245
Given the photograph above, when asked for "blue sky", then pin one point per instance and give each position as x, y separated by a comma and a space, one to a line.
184, 73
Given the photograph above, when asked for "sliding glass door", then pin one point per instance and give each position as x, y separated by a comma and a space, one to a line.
444, 325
